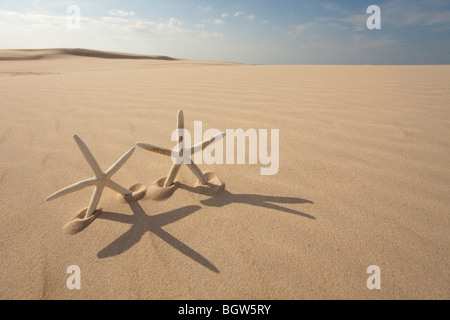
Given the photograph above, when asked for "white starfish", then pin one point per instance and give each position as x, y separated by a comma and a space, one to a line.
100, 180
179, 156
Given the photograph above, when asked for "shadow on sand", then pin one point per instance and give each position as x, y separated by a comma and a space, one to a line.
269, 202
141, 223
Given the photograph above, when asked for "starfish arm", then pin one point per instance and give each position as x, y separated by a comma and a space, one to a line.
72, 188
180, 131
172, 175
156, 149
118, 188
198, 173
94, 201
119, 163
89, 157
180, 120
204, 144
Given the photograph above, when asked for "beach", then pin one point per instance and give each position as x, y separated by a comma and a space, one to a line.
363, 180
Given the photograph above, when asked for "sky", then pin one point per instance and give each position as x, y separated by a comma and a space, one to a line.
245, 31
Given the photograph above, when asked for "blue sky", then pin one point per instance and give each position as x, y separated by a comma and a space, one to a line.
247, 31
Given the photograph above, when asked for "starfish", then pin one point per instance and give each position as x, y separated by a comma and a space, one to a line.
100, 180
180, 155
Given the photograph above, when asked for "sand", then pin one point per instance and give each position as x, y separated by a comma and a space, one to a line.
364, 179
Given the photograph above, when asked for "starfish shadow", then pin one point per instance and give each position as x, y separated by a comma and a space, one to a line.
141, 223
269, 202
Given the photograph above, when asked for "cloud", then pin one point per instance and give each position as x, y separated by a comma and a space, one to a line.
405, 13
206, 8
172, 27
26, 28
334, 7
328, 6
250, 17
175, 22
394, 13
400, 13
121, 13
113, 19
29, 21
357, 38
212, 35
224, 15
443, 30
300, 28
439, 18
356, 21
218, 21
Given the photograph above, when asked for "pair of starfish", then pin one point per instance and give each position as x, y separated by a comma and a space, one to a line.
103, 179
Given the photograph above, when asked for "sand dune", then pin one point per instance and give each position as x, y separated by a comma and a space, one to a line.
18, 55
363, 180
